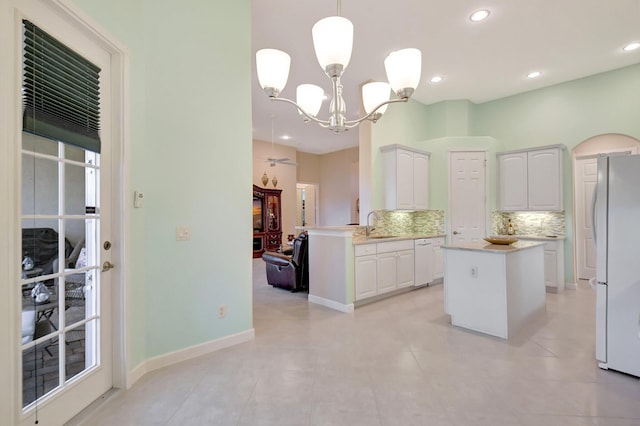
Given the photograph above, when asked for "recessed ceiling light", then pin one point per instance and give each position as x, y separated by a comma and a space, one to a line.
285, 137
479, 15
436, 79
534, 74
631, 46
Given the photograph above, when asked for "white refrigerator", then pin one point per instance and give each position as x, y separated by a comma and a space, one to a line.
616, 220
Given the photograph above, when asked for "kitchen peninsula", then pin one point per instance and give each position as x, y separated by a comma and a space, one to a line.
494, 289
348, 268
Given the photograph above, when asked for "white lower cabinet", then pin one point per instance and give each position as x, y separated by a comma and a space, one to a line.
553, 264
383, 267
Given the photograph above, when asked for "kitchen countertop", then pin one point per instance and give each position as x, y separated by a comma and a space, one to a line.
493, 248
538, 237
361, 239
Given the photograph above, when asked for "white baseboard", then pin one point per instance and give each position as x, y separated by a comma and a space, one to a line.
165, 360
570, 286
330, 304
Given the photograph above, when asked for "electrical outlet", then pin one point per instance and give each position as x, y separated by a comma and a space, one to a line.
183, 233
474, 271
222, 311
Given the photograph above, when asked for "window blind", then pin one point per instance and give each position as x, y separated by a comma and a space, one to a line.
61, 91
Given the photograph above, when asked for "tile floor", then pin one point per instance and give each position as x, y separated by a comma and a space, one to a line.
393, 362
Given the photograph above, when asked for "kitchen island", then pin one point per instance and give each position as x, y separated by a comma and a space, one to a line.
494, 289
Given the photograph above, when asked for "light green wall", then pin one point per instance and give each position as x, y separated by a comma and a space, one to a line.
190, 145
567, 113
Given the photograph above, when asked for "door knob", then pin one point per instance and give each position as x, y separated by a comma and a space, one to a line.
107, 265
455, 232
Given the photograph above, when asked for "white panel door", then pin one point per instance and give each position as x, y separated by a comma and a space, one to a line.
586, 175
467, 195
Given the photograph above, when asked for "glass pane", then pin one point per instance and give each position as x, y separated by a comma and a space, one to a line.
33, 143
74, 189
40, 370
39, 186
40, 246
272, 212
75, 353
74, 153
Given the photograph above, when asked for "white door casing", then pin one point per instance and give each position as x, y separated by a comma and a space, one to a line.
467, 196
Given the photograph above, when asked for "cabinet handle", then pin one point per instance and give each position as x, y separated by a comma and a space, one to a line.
456, 232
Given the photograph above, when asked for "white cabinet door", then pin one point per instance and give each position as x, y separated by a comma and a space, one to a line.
404, 179
387, 275
366, 276
512, 181
404, 268
544, 179
420, 181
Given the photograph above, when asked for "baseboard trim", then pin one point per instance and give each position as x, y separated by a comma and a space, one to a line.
570, 286
331, 304
185, 354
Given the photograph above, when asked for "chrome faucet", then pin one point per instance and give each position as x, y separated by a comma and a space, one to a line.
368, 229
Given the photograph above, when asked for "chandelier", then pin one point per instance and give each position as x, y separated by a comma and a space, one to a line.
333, 42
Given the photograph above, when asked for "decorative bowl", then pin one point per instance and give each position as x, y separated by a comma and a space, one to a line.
501, 239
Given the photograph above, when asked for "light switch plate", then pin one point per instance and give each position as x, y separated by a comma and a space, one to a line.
137, 199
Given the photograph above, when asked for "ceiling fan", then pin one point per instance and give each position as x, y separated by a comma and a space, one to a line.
287, 161
272, 160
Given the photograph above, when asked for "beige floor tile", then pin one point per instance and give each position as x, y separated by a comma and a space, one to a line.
393, 362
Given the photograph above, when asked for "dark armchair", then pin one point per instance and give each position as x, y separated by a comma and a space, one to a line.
289, 271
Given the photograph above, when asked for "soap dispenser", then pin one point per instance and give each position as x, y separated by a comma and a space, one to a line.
510, 228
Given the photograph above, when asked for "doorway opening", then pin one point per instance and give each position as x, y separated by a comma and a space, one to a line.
307, 204
584, 159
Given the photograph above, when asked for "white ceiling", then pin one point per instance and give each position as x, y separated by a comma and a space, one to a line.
565, 39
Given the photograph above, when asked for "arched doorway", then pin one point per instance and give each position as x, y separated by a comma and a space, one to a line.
584, 156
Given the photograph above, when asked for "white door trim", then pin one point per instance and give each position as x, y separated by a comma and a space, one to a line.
10, 108
488, 164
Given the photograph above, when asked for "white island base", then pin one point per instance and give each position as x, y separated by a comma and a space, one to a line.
494, 289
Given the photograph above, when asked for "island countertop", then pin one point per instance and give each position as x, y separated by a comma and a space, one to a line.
493, 248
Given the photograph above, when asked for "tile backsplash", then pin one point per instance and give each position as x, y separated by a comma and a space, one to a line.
424, 222
529, 223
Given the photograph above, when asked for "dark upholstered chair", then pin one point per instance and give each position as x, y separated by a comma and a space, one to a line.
289, 271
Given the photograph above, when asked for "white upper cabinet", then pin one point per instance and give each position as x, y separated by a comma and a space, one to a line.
406, 177
530, 179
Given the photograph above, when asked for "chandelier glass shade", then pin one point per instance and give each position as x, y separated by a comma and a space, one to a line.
333, 43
